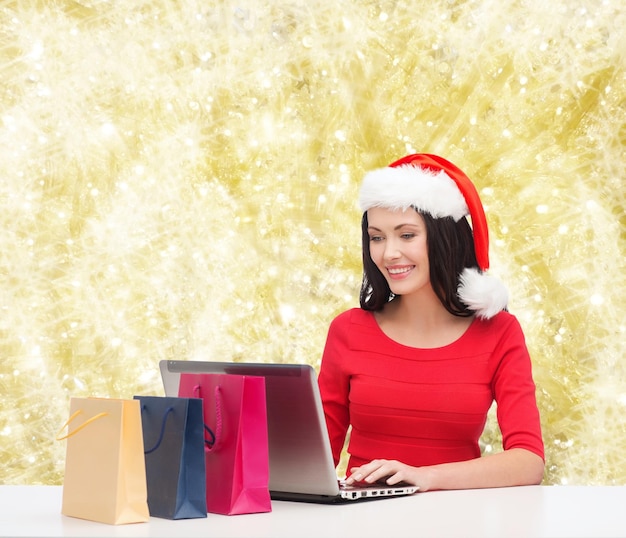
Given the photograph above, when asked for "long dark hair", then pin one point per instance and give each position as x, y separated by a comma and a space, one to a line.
450, 250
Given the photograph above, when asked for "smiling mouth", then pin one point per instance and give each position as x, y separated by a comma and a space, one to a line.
399, 270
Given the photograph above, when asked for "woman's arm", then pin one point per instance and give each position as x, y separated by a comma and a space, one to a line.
514, 467
334, 384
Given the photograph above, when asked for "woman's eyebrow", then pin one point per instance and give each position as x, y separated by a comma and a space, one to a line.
410, 224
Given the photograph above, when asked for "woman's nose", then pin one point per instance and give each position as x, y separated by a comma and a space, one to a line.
392, 252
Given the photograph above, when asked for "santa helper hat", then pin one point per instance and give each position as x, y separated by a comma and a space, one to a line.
435, 186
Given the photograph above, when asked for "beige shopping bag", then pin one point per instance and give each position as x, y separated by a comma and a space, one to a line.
105, 473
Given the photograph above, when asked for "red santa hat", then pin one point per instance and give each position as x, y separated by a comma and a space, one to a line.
433, 185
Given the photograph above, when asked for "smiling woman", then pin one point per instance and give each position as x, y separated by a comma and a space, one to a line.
415, 370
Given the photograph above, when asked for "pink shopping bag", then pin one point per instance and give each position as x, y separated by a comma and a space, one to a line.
237, 455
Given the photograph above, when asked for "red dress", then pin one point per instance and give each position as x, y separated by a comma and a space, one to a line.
426, 406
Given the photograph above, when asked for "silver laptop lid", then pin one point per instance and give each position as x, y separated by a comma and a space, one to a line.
299, 449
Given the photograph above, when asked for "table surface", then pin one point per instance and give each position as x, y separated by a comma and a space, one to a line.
532, 511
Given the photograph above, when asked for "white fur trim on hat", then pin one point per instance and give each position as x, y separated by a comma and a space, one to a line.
484, 294
411, 186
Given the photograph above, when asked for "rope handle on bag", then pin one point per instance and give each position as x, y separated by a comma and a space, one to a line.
162, 434
217, 436
86, 423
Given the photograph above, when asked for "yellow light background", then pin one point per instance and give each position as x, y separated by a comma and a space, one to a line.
178, 180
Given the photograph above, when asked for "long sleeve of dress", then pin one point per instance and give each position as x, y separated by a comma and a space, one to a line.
334, 387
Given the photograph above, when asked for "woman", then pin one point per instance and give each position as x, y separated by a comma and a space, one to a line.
414, 371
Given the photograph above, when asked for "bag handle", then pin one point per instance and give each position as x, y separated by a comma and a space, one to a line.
208, 443
162, 434
211, 445
87, 422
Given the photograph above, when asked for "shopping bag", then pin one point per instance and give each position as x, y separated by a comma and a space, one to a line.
105, 473
237, 458
173, 438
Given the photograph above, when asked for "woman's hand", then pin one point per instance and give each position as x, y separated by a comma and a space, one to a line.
390, 472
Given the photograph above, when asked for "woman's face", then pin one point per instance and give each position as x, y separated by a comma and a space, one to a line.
398, 247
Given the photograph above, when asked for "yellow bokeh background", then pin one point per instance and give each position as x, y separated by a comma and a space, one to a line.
178, 181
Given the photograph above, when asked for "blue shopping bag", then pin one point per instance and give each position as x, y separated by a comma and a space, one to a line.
173, 436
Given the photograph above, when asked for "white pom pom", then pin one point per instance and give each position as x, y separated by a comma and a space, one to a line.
484, 294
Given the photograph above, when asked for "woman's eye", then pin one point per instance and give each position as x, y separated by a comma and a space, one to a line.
375, 238
408, 236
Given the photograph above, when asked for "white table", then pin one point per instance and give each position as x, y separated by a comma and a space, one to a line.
536, 511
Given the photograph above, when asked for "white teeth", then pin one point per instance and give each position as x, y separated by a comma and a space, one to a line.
399, 271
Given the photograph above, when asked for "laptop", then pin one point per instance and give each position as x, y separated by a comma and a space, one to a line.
301, 463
